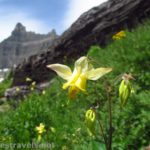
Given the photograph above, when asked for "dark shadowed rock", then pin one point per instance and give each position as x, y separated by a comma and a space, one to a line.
95, 26
22, 44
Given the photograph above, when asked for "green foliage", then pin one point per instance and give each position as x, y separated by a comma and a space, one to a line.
4, 85
131, 128
132, 124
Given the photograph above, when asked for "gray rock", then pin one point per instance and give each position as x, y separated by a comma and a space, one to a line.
94, 27
13, 93
22, 44
19, 92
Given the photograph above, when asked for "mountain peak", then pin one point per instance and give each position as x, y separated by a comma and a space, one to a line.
19, 29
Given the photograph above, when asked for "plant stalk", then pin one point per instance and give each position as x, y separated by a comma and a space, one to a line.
103, 135
110, 122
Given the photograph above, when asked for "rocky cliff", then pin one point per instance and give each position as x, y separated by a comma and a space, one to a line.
95, 26
22, 44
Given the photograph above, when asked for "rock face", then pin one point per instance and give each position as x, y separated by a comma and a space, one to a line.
95, 26
22, 44
19, 92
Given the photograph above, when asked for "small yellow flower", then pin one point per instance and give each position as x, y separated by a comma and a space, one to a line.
33, 83
17, 89
28, 79
41, 128
43, 92
119, 35
32, 88
76, 80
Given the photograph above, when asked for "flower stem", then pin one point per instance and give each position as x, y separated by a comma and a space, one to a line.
103, 135
110, 122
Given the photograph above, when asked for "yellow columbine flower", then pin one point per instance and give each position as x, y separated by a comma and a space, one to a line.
41, 128
119, 35
76, 80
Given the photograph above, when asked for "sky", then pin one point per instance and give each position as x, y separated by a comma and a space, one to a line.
41, 16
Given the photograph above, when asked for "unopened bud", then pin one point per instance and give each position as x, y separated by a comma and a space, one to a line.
125, 89
90, 119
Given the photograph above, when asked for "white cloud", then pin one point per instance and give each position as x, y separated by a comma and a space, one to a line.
76, 8
10, 18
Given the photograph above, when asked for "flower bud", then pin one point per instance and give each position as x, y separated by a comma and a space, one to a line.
125, 89
90, 120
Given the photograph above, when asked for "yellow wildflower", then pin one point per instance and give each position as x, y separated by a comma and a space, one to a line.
41, 128
76, 80
32, 88
33, 83
17, 89
43, 92
119, 35
28, 79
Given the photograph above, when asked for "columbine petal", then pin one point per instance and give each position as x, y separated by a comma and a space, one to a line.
95, 74
82, 64
81, 83
62, 70
72, 79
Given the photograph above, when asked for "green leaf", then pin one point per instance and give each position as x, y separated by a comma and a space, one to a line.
98, 146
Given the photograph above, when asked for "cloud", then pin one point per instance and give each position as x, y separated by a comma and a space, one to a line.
10, 18
11, 15
76, 8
